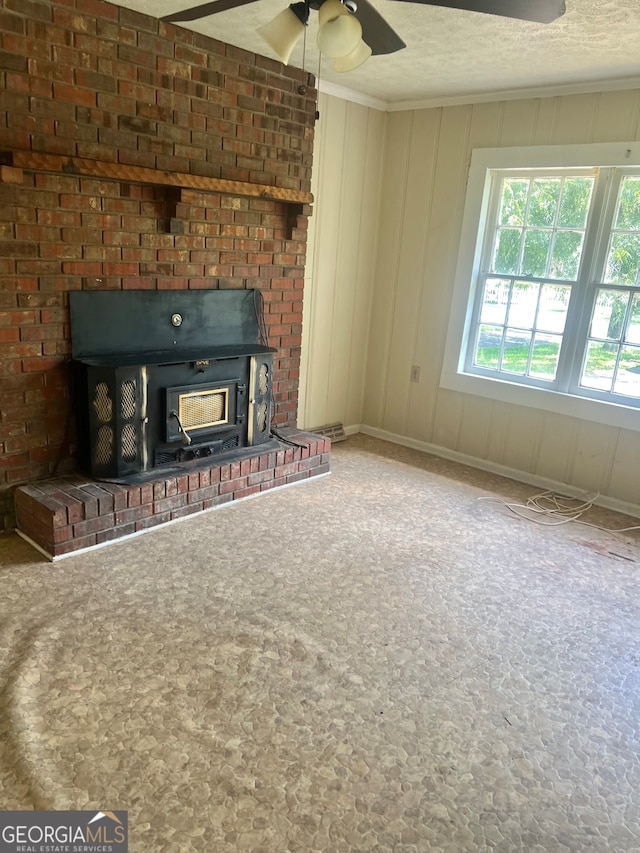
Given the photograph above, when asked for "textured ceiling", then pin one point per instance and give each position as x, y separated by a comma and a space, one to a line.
453, 54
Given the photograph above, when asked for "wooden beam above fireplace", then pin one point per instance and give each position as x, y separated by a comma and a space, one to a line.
33, 161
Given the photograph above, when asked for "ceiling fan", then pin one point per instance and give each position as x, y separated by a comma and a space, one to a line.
352, 30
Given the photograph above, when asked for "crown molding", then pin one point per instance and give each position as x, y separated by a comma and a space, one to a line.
585, 88
350, 95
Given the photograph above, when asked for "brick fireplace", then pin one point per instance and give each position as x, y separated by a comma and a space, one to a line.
135, 154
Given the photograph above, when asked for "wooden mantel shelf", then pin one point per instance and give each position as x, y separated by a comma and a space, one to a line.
12, 163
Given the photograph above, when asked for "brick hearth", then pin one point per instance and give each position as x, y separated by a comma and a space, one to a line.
61, 516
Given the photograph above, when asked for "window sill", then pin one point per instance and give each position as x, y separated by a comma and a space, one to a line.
585, 408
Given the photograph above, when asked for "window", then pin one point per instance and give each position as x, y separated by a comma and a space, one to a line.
551, 302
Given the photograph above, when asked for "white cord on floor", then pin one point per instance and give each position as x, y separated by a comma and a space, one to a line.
552, 509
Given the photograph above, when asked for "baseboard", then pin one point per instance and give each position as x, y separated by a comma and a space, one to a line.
494, 468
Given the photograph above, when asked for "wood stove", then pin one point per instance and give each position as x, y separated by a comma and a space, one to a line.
164, 378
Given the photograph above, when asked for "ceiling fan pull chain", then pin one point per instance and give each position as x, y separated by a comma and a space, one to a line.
304, 49
318, 82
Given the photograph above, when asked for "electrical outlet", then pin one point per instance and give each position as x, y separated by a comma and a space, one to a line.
415, 373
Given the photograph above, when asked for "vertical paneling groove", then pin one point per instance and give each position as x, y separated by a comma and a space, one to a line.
368, 224
337, 271
574, 120
393, 189
545, 121
354, 382
422, 398
338, 280
627, 458
309, 326
325, 231
410, 263
397, 260
413, 420
486, 130
636, 134
347, 255
451, 177
616, 117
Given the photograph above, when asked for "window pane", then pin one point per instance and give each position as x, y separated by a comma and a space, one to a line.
536, 253
494, 300
608, 314
574, 206
544, 357
628, 377
507, 250
514, 201
488, 349
524, 301
515, 356
543, 204
633, 324
567, 250
554, 302
599, 366
539, 227
628, 216
623, 261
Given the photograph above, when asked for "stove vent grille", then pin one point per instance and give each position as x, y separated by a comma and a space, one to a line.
104, 445
102, 402
115, 422
128, 399
263, 379
172, 457
261, 416
129, 443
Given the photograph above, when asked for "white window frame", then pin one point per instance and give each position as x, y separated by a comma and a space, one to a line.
454, 377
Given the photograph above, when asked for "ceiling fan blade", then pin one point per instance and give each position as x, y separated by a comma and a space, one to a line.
541, 11
197, 12
376, 32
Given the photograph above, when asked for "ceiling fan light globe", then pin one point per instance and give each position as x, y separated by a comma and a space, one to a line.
354, 59
330, 10
340, 36
282, 33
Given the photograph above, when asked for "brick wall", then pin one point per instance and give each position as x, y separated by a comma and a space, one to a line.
87, 79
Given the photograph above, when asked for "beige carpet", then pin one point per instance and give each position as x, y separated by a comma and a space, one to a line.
372, 661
